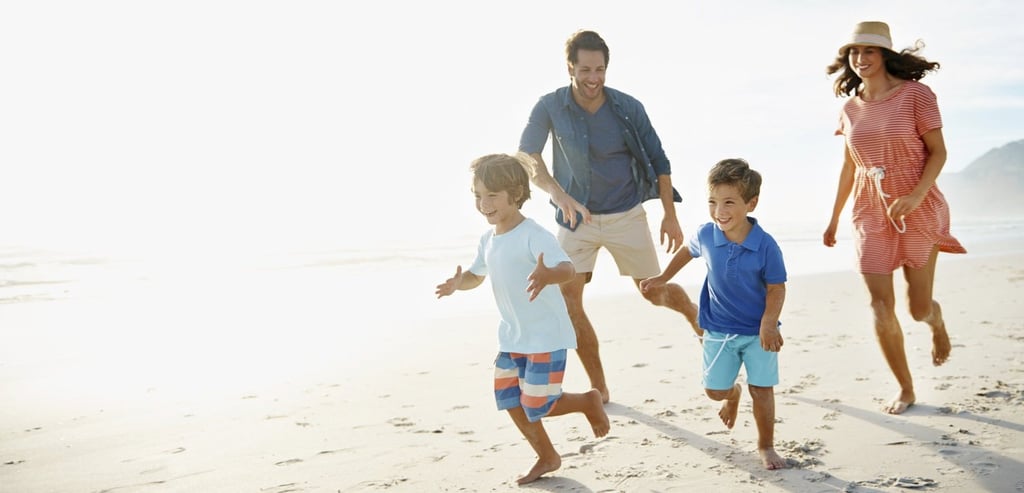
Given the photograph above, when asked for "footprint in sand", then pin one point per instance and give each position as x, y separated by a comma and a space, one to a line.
983, 468
914, 483
400, 422
591, 447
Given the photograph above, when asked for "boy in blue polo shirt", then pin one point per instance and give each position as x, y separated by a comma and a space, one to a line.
740, 301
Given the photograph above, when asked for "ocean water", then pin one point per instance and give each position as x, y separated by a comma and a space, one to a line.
192, 321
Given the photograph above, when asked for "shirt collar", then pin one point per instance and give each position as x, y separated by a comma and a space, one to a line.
753, 240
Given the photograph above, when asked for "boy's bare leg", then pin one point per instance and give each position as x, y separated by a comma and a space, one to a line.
730, 406
588, 403
890, 339
763, 403
586, 338
548, 459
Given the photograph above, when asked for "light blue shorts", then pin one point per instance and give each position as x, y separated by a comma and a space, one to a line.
725, 353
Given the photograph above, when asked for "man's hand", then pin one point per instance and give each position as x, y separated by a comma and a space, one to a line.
570, 207
671, 234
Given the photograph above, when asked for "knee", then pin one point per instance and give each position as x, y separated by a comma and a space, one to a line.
883, 308
921, 311
718, 395
573, 303
658, 296
758, 393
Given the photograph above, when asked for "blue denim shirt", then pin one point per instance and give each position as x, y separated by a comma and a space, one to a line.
557, 114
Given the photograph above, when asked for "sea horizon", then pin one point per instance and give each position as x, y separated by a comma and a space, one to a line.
240, 320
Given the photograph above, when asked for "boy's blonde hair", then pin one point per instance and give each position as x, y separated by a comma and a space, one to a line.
505, 173
736, 172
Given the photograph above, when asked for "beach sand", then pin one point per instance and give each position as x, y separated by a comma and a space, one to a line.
419, 415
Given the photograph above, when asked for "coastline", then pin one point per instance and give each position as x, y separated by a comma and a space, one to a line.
414, 412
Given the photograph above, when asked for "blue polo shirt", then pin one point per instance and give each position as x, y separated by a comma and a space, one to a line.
732, 299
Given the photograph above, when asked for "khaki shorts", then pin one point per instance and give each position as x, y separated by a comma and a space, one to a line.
627, 237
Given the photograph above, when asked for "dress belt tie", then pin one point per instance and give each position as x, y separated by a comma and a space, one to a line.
877, 174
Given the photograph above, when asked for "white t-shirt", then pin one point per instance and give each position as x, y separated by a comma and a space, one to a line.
537, 326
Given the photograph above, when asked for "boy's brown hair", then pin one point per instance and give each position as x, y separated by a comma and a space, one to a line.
504, 173
736, 172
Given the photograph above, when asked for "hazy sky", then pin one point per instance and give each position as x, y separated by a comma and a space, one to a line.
216, 123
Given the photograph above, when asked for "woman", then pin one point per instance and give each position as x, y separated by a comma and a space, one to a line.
894, 153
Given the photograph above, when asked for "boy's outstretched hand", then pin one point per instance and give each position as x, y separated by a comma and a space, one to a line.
449, 286
651, 283
539, 278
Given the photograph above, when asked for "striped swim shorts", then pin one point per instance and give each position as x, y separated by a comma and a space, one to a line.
531, 381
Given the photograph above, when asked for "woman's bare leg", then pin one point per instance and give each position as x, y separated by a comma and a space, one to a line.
890, 339
925, 309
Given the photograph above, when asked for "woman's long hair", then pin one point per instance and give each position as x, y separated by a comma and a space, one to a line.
906, 65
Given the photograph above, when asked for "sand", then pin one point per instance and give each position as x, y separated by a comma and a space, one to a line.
419, 416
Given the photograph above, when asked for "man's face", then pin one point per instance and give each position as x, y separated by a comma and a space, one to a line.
588, 75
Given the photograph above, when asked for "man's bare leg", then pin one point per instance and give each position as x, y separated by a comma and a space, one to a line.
763, 404
587, 347
548, 459
674, 296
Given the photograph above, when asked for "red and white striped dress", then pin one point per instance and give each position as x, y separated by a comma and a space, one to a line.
884, 138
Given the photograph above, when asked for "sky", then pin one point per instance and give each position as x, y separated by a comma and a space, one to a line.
230, 125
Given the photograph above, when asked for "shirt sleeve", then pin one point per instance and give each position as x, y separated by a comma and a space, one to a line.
542, 241
926, 110
535, 135
479, 266
694, 246
775, 266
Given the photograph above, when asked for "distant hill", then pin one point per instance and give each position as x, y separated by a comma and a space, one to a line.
991, 186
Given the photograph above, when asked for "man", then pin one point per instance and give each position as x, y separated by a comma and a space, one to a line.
607, 160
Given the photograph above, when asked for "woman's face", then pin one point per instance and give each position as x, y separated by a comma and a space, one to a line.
866, 61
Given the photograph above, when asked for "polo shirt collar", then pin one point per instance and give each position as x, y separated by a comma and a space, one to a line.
752, 241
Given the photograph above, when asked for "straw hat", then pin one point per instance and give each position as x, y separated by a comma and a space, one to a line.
869, 33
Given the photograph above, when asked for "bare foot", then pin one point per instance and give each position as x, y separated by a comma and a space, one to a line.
900, 403
595, 413
940, 339
539, 469
731, 407
771, 460
605, 396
